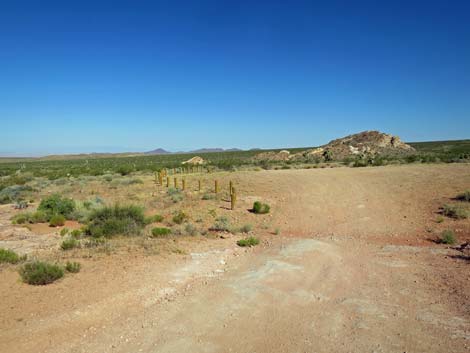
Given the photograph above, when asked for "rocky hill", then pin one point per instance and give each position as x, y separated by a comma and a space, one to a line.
366, 143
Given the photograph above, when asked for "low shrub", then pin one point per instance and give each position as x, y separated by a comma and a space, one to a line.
56, 205
248, 242
465, 196
69, 243
208, 197
455, 211
73, 267
246, 228
38, 217
154, 219
21, 218
221, 224
261, 208
64, 231
160, 231
190, 229
94, 242
10, 257
180, 217
175, 195
125, 169
57, 220
448, 237
40, 273
116, 220
76, 233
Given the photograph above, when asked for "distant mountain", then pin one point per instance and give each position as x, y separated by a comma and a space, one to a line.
213, 150
157, 151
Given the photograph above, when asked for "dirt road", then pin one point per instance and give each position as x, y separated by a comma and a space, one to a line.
352, 272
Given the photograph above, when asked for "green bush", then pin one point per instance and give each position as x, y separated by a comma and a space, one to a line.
261, 208
208, 197
56, 205
160, 231
40, 273
154, 219
9, 256
116, 220
180, 217
248, 242
64, 231
448, 237
69, 243
21, 218
465, 196
455, 211
72, 267
57, 220
76, 233
39, 217
125, 169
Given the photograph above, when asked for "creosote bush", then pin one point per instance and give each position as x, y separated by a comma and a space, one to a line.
180, 217
448, 237
40, 273
57, 220
261, 208
69, 243
246, 228
154, 219
465, 196
455, 211
10, 257
116, 220
72, 267
160, 231
221, 224
56, 205
248, 242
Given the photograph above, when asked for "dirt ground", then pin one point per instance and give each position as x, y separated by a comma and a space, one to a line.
355, 267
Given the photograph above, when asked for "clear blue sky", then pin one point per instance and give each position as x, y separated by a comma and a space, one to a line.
84, 76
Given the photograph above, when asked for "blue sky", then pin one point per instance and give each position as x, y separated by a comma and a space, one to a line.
99, 76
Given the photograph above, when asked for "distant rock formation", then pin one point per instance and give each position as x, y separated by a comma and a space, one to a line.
194, 161
357, 145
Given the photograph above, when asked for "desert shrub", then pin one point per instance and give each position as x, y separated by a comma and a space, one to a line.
21, 218
131, 181
154, 219
190, 229
57, 220
56, 205
83, 209
108, 177
116, 220
261, 208
38, 217
439, 219
64, 231
69, 243
277, 231
13, 193
94, 242
248, 242
21, 205
448, 237
208, 197
455, 211
160, 231
180, 217
246, 228
73, 267
40, 273
125, 169
10, 257
221, 224
76, 233
175, 195
465, 196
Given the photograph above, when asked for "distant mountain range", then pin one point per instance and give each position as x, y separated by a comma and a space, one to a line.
201, 150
